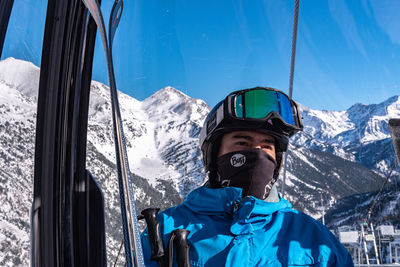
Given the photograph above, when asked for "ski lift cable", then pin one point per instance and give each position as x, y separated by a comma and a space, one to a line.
294, 43
380, 192
291, 77
128, 207
119, 252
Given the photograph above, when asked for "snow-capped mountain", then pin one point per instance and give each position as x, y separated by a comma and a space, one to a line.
162, 140
360, 133
160, 131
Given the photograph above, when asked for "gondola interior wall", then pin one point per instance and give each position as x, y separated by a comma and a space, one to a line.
68, 209
173, 60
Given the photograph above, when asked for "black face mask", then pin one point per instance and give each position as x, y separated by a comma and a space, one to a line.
252, 170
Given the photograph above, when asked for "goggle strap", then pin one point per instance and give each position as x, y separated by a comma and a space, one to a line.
213, 123
216, 119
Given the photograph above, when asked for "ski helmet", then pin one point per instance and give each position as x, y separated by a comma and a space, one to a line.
262, 109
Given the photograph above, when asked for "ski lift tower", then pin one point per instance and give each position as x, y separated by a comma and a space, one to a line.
389, 243
350, 240
395, 248
394, 127
368, 237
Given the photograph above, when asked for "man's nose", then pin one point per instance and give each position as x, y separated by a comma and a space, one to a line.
257, 146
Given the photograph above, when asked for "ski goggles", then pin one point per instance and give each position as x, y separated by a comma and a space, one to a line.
263, 104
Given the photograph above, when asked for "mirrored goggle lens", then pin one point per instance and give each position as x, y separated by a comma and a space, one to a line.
257, 104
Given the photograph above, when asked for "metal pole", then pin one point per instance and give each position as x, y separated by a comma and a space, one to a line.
292, 61
376, 249
365, 243
294, 42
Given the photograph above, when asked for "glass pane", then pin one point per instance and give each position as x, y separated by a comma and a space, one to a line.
176, 59
19, 81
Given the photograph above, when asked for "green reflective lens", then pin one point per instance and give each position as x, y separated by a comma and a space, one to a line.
257, 104
286, 109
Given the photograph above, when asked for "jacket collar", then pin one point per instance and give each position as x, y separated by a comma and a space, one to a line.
247, 215
229, 200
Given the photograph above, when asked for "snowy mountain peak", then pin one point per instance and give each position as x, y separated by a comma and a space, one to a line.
171, 91
387, 102
381, 109
393, 105
173, 102
21, 75
167, 94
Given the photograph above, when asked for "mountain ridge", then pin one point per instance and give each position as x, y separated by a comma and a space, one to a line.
162, 143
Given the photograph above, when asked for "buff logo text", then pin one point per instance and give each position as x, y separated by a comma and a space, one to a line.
238, 160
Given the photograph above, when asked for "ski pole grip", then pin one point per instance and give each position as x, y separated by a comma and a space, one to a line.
182, 247
153, 229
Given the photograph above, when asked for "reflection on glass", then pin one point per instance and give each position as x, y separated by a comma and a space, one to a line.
174, 59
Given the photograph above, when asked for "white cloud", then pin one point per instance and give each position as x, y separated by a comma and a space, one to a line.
386, 13
347, 24
280, 18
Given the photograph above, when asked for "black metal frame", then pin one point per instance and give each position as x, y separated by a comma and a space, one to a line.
5, 12
68, 208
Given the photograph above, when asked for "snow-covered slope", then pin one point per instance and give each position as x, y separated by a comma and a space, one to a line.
160, 131
162, 138
17, 138
349, 210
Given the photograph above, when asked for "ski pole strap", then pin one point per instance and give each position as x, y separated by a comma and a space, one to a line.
179, 239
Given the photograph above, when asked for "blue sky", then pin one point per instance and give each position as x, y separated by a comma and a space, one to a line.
347, 51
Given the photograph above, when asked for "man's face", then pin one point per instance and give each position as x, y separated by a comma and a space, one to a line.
242, 140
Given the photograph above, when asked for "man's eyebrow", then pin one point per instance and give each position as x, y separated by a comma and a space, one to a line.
250, 138
240, 136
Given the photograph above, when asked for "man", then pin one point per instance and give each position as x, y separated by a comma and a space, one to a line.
238, 218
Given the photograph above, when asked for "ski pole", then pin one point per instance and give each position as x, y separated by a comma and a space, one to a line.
155, 240
179, 238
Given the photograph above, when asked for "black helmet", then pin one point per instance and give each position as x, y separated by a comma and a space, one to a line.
262, 109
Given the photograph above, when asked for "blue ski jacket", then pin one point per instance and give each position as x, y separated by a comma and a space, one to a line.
228, 230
